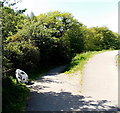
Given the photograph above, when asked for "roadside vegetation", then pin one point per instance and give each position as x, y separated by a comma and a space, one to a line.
37, 43
14, 96
118, 59
78, 62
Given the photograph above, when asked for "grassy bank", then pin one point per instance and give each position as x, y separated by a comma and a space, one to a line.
14, 96
79, 61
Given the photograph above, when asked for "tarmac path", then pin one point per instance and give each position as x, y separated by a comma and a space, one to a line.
100, 79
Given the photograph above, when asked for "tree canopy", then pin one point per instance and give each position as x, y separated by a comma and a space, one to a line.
54, 36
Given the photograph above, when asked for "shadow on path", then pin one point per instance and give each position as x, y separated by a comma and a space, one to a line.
47, 95
64, 101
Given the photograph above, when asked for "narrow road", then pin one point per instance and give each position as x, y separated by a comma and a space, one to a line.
57, 91
100, 80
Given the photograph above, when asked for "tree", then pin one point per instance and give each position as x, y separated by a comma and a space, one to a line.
57, 22
22, 55
11, 21
74, 38
99, 38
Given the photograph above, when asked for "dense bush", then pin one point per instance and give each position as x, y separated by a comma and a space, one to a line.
22, 55
57, 35
14, 96
53, 39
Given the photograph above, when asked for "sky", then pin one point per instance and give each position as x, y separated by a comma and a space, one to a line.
91, 13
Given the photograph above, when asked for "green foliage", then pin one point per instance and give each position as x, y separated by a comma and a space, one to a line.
74, 37
14, 96
99, 38
46, 33
22, 55
118, 60
11, 21
77, 63
57, 22
53, 38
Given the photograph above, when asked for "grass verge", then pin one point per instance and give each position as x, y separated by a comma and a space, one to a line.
79, 61
118, 59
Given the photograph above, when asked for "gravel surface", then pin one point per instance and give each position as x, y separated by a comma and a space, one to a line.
57, 91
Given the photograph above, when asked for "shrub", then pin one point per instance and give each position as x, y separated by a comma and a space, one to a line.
22, 55
14, 96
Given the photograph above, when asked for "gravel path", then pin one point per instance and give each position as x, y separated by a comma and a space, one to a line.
56, 91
